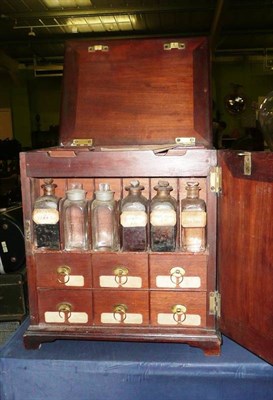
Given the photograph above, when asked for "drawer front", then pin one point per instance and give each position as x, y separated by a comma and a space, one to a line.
172, 271
64, 270
123, 308
178, 309
120, 271
73, 307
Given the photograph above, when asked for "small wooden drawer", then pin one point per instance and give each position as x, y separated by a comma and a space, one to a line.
123, 308
120, 271
172, 271
62, 270
186, 309
73, 307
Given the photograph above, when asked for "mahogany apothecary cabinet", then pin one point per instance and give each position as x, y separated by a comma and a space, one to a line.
140, 109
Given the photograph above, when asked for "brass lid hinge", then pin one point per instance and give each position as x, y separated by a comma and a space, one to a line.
216, 180
215, 304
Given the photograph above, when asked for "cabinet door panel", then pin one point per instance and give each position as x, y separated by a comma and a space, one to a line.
245, 251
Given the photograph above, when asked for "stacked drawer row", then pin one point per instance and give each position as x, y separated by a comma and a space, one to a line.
125, 289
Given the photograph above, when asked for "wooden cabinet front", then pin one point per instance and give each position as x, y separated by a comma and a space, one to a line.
121, 295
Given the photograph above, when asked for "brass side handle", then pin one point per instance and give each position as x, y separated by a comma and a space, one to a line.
63, 273
179, 313
177, 275
119, 312
121, 275
64, 310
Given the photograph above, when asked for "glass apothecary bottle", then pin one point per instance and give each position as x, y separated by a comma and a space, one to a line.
193, 220
163, 219
46, 217
104, 222
75, 219
134, 219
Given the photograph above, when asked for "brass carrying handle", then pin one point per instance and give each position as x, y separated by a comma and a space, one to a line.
179, 313
119, 312
64, 308
121, 275
177, 275
63, 272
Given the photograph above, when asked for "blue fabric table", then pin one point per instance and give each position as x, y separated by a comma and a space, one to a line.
83, 370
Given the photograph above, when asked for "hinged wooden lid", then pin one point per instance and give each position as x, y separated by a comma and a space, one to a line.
136, 91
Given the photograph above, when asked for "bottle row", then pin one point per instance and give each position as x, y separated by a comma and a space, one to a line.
131, 224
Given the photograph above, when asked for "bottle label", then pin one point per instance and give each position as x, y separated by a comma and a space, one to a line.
131, 219
45, 216
163, 218
193, 219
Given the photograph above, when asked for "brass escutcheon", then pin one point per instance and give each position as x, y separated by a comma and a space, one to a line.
121, 275
119, 312
64, 308
63, 272
179, 313
177, 275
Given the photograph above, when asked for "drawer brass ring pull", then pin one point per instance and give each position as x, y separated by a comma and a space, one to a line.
179, 313
63, 274
177, 275
64, 310
121, 275
120, 312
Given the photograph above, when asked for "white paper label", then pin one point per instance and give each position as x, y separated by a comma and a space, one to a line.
60, 317
131, 318
188, 282
113, 281
75, 280
46, 216
163, 217
131, 219
2, 271
4, 247
168, 319
193, 219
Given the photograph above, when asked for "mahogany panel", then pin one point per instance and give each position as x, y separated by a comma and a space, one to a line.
120, 270
135, 91
183, 309
121, 308
178, 271
65, 307
63, 270
189, 162
245, 254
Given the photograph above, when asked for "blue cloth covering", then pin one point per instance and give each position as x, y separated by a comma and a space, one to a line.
87, 370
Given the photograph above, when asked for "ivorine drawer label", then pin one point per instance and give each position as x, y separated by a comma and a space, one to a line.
193, 219
130, 318
188, 282
122, 281
171, 319
61, 317
75, 280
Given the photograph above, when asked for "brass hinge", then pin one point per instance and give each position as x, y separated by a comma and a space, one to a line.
216, 180
174, 45
247, 162
97, 47
185, 141
215, 304
81, 142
